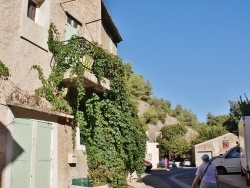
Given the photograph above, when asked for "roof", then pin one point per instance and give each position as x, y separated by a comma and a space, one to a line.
227, 134
108, 20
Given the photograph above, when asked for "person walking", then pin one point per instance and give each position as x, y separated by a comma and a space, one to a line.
207, 174
166, 161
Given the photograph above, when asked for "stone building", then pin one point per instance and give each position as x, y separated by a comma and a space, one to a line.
36, 143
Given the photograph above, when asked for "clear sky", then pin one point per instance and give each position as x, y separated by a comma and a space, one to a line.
193, 52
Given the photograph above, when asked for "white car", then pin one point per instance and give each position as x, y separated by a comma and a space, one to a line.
187, 162
229, 162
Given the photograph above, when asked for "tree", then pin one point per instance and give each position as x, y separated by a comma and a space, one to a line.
209, 132
216, 120
173, 140
139, 88
237, 110
185, 116
128, 71
151, 115
234, 116
244, 106
157, 111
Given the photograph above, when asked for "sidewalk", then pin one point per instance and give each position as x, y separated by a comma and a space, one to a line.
236, 180
135, 184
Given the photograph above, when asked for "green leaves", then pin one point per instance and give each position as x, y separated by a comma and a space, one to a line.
115, 135
173, 140
207, 132
140, 89
109, 125
244, 106
4, 71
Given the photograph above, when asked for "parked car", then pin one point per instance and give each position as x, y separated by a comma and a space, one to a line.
229, 162
187, 162
148, 165
172, 164
161, 163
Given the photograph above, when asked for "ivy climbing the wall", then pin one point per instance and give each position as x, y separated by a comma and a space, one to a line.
109, 126
4, 71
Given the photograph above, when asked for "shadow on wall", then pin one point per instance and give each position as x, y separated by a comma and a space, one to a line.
4, 138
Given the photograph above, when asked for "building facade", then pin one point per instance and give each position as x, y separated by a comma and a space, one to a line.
213, 147
37, 147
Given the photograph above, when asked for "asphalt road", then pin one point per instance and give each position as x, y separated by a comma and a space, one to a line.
175, 178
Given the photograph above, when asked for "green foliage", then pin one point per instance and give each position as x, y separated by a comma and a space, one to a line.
173, 140
128, 70
161, 104
139, 88
111, 147
244, 106
184, 116
235, 114
158, 110
151, 115
4, 71
109, 125
237, 110
209, 132
216, 120
172, 131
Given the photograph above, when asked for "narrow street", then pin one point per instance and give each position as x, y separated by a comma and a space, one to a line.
175, 178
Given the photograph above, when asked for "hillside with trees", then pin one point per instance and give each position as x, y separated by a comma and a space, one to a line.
179, 127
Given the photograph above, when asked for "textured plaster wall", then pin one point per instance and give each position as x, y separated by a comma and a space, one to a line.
20, 54
84, 11
67, 171
152, 154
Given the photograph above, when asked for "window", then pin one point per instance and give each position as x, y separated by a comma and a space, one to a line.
233, 154
31, 10
71, 21
35, 11
35, 22
149, 156
72, 27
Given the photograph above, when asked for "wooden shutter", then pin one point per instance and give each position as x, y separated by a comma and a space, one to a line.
43, 155
21, 153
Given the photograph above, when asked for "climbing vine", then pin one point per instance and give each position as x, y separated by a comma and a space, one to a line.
4, 71
109, 126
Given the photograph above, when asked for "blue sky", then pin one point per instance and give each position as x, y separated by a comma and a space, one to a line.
193, 52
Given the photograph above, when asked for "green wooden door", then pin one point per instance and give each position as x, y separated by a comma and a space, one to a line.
43, 155
31, 155
21, 153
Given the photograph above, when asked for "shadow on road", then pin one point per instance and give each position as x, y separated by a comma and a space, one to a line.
157, 178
